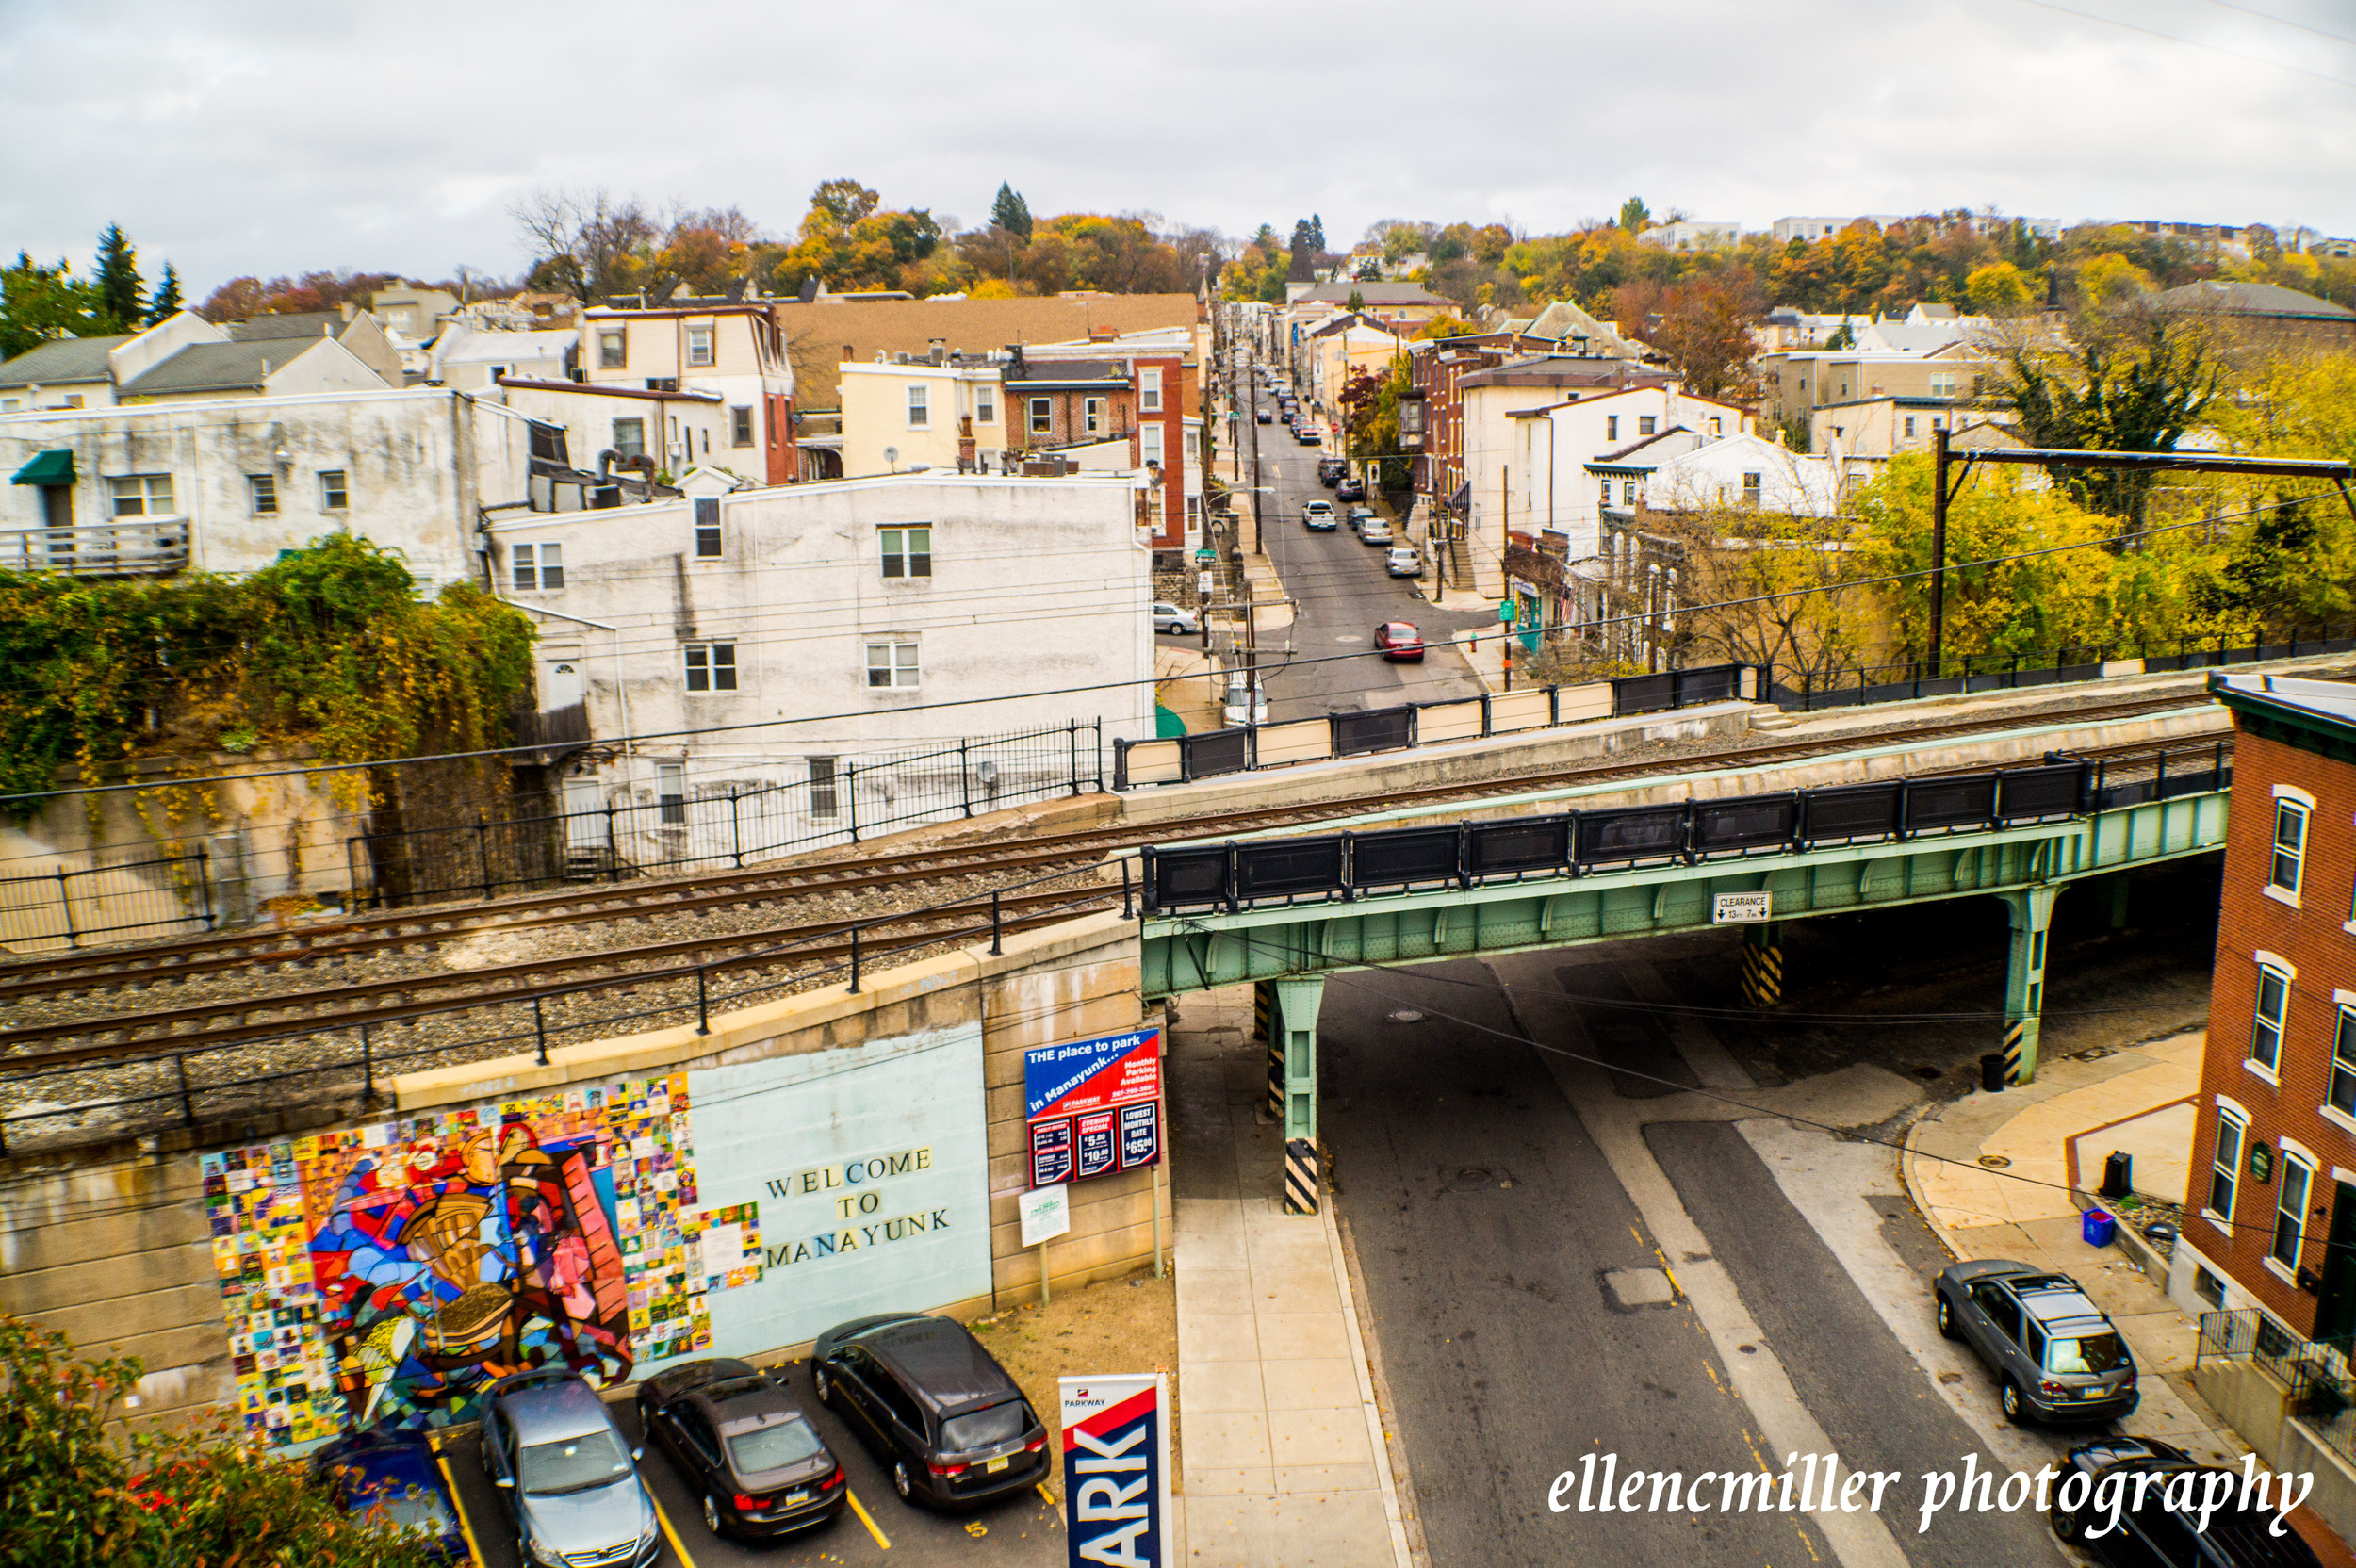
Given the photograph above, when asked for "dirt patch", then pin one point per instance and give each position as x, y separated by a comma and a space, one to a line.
1128, 1325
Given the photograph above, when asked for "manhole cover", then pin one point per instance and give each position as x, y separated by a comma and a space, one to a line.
1406, 1015
1994, 1161
1473, 1173
2096, 1053
1926, 1073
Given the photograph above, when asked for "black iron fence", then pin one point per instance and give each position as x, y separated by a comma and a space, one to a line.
1988, 672
678, 820
1343, 866
118, 897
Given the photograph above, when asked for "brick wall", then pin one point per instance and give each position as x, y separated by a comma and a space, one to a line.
2312, 938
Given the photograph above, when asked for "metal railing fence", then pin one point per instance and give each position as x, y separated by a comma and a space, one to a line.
121, 894
1905, 682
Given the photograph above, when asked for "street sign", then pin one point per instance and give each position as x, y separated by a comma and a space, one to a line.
1206, 557
1506, 613
1735, 908
1046, 1214
1092, 1074
1116, 1469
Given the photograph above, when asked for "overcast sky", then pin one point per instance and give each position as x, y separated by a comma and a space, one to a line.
277, 137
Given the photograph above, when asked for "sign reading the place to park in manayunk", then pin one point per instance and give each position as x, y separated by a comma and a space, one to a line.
1094, 1106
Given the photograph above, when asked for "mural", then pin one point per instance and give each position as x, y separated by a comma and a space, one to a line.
387, 1274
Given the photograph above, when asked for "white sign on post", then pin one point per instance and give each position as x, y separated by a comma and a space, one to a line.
1046, 1214
1734, 908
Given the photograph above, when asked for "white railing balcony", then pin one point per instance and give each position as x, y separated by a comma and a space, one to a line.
148, 547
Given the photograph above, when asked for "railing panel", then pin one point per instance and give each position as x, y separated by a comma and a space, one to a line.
1579, 704
1510, 711
1182, 878
1449, 721
1527, 843
1217, 751
1406, 856
1377, 730
1294, 740
1640, 833
1289, 867
1950, 802
1852, 811
2030, 793
1154, 763
1747, 823
1644, 694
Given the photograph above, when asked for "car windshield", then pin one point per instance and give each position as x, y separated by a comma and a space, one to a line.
572, 1464
998, 1424
773, 1447
2088, 1354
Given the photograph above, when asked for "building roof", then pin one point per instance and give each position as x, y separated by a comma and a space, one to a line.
817, 332
1065, 372
2314, 715
2252, 298
294, 323
608, 389
1566, 370
1373, 294
66, 359
1618, 457
236, 366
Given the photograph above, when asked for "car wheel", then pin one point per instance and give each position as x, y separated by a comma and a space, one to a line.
1947, 1320
900, 1481
824, 1383
2066, 1525
2016, 1407
711, 1514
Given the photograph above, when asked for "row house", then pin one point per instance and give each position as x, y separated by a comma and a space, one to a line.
728, 347
185, 357
1794, 383
1131, 400
1338, 352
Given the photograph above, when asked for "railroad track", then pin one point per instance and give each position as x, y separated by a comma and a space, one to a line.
203, 1025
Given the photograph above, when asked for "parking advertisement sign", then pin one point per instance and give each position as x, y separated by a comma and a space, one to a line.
1116, 1470
1093, 1074
1140, 1134
1097, 1148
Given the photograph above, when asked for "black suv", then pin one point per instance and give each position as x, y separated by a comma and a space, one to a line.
2155, 1533
1330, 470
935, 1405
741, 1446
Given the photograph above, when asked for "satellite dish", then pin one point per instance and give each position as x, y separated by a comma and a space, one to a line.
892, 456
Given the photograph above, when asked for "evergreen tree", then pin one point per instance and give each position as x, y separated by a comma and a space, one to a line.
1011, 213
1317, 233
166, 303
1634, 215
118, 279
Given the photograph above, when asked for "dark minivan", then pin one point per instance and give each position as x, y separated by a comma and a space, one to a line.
740, 1444
936, 1407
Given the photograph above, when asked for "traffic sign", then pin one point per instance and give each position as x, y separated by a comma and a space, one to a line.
1506, 612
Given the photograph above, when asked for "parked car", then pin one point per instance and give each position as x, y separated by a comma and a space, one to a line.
1263, 416
2054, 1353
1308, 435
1399, 642
1358, 514
940, 1412
1350, 489
395, 1470
743, 1447
1403, 561
568, 1480
1374, 530
2155, 1533
1317, 516
1169, 618
1330, 470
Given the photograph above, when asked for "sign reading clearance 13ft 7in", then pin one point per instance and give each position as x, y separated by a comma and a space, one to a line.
1116, 1470
1094, 1106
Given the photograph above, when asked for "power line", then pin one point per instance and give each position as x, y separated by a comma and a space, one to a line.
2283, 21
2192, 43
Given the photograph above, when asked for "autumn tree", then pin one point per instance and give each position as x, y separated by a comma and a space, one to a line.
1703, 326
38, 302
1999, 289
587, 244
2133, 384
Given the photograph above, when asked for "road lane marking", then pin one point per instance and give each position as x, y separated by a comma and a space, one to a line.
1049, 1496
465, 1526
881, 1539
664, 1520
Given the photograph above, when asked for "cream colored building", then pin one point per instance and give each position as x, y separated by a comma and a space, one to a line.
921, 414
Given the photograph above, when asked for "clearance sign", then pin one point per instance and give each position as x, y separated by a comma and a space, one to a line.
1116, 1470
1094, 1106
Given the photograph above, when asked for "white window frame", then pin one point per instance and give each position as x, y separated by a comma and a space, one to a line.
1042, 417
2340, 1079
2294, 808
826, 787
985, 405
2224, 1172
1610, 427
334, 490
740, 425
536, 569
640, 421
140, 496
714, 663
1092, 416
2269, 1030
702, 347
261, 493
1647, 425
906, 549
711, 544
1149, 390
2290, 1158
670, 793
897, 659
612, 347
920, 406
1149, 444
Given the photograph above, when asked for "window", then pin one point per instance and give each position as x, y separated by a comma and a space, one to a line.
908, 551
920, 406
2290, 1209
707, 528
2209, 1287
1645, 424
1942, 386
670, 787
2225, 1166
740, 425
333, 495
711, 666
2342, 1093
610, 356
823, 801
1149, 391
1909, 424
1149, 442
891, 665
2290, 844
263, 489
2274, 998
1042, 417
1627, 493
537, 566
985, 405
1750, 489
1717, 426
1611, 426
143, 496
698, 346
629, 438
1093, 415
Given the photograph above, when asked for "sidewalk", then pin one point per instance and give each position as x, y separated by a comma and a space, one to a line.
1964, 1164
1282, 1461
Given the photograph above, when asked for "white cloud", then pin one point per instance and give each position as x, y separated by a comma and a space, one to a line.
273, 136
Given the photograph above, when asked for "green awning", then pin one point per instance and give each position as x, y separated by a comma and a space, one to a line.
1167, 724
48, 469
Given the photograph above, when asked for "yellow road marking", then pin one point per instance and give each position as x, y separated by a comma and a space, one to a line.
664, 1520
881, 1539
1049, 1496
465, 1526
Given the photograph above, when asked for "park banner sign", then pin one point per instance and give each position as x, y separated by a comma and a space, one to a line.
1093, 1106
1116, 1470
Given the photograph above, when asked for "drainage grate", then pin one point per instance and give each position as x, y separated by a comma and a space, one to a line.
1406, 1015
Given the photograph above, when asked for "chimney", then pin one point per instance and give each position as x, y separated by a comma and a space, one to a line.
937, 348
849, 353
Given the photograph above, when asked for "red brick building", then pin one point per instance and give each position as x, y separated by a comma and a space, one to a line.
2272, 1221
1142, 388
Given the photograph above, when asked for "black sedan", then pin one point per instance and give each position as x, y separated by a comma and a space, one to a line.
1349, 490
2055, 1356
934, 1407
743, 1447
2155, 1532
394, 1470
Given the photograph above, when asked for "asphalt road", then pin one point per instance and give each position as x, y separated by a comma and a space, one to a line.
1343, 592
1024, 1529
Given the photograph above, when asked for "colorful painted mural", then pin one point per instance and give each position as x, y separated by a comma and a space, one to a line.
387, 1274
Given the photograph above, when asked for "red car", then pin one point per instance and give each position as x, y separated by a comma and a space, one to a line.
1399, 642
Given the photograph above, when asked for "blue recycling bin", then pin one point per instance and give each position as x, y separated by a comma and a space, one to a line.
2098, 1227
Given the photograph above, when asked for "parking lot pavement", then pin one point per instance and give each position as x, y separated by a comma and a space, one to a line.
1026, 1529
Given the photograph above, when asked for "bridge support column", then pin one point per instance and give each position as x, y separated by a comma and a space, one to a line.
2031, 912
1762, 964
1296, 1027
1264, 1027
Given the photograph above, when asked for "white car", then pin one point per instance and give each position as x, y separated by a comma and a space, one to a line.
1178, 622
1374, 530
1404, 561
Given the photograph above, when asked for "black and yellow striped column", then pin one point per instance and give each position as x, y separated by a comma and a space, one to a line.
1762, 965
1266, 1026
1297, 1022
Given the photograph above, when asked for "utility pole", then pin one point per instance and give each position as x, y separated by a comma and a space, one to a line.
1939, 546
